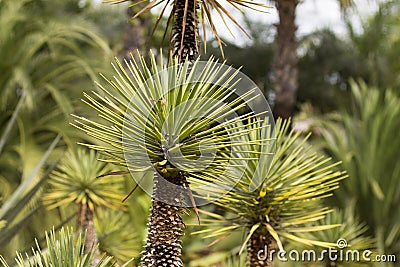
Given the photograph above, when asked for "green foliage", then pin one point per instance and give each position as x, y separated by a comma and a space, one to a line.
293, 180
76, 180
325, 68
42, 58
161, 117
66, 250
44, 63
378, 45
117, 234
365, 139
351, 234
47, 55
15, 211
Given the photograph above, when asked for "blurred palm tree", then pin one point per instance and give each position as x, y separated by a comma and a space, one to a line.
76, 181
284, 66
137, 30
164, 122
292, 181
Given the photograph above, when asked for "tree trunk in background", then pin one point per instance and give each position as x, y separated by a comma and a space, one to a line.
260, 247
284, 68
135, 34
85, 224
188, 46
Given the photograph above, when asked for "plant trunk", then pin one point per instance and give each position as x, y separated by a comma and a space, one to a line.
86, 225
135, 33
185, 31
284, 68
261, 249
165, 226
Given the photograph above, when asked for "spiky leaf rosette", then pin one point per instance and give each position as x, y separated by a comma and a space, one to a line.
293, 181
75, 181
172, 119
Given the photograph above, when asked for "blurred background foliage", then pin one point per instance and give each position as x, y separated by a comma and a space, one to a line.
348, 97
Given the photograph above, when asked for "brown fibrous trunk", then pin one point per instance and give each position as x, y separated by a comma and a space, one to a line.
85, 224
284, 68
184, 40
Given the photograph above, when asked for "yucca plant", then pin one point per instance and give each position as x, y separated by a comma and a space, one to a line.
66, 249
76, 181
175, 124
293, 181
185, 16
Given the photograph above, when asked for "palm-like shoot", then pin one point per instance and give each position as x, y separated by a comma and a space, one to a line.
176, 124
293, 181
75, 181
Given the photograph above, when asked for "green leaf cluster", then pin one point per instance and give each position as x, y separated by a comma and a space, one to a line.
76, 180
293, 181
170, 118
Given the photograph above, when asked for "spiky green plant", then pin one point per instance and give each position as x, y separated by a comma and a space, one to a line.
293, 181
76, 181
66, 250
175, 123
